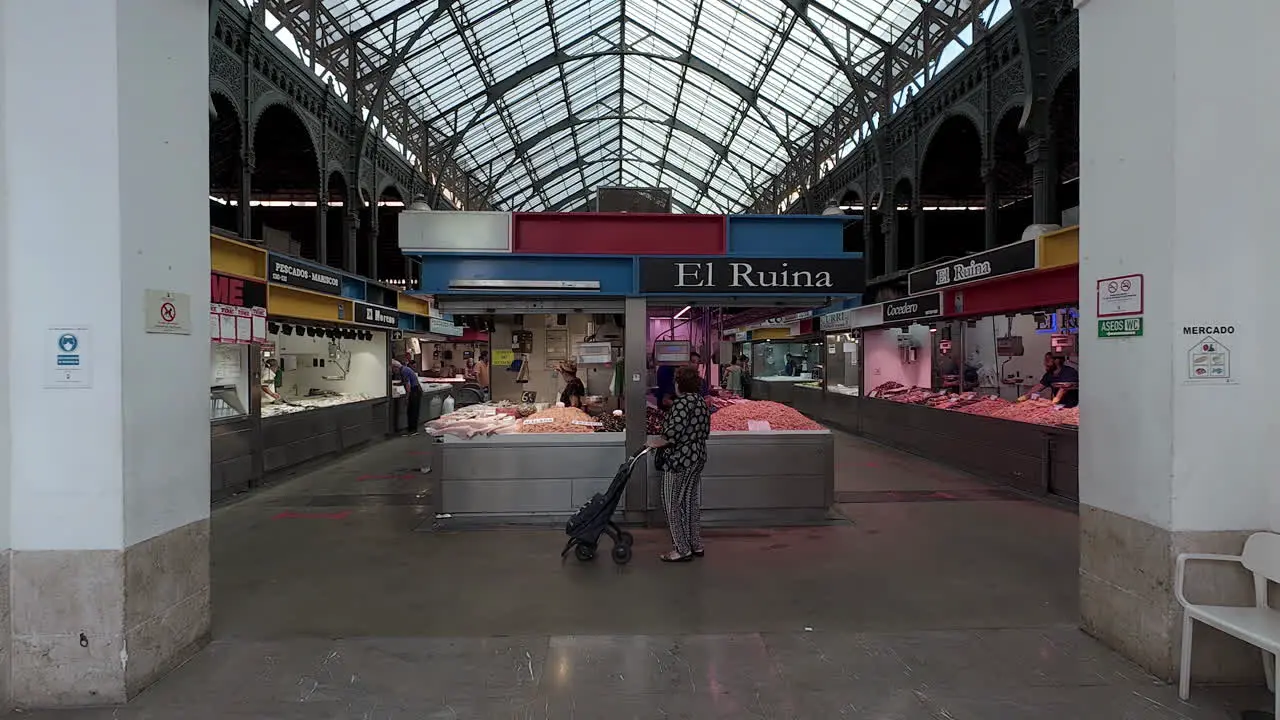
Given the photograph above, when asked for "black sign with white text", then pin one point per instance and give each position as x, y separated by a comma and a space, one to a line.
1015, 258
367, 314
912, 308
284, 270
752, 276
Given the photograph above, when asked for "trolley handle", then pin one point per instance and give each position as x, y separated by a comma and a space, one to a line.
631, 463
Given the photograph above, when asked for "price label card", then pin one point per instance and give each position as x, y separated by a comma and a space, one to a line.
586, 423
758, 426
539, 421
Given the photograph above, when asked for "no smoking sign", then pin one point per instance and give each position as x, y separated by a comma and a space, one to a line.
1118, 296
168, 313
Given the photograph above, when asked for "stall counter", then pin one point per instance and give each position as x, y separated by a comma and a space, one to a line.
539, 478
771, 478
778, 388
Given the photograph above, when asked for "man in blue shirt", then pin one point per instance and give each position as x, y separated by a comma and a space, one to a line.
413, 393
1060, 379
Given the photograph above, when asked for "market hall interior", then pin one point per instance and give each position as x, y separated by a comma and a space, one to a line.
927, 592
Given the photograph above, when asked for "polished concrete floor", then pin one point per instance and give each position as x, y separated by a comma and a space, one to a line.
934, 596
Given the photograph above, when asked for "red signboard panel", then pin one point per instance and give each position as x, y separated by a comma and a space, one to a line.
1018, 293
618, 234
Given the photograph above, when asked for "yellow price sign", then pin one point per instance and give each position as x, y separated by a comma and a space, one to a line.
503, 357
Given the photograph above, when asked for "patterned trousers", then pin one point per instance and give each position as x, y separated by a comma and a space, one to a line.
682, 497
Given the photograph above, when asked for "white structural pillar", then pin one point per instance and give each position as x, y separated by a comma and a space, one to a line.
1179, 183
104, 434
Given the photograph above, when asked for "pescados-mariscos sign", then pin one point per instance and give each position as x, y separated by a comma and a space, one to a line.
752, 276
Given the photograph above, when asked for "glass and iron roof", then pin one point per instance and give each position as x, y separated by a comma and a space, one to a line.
540, 102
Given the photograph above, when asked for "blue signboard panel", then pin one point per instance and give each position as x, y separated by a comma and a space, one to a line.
353, 288
809, 236
441, 275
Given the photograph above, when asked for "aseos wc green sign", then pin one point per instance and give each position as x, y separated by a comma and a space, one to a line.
1120, 327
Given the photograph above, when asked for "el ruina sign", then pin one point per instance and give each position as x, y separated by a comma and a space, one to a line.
912, 308
236, 292
367, 314
753, 276
1015, 258
284, 270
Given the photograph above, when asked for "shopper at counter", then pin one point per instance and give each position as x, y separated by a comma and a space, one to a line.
1060, 378
733, 377
574, 393
413, 393
682, 454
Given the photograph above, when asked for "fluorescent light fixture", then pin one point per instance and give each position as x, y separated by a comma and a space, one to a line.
680, 314
524, 284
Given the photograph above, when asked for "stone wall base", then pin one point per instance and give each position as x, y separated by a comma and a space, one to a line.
95, 627
1127, 572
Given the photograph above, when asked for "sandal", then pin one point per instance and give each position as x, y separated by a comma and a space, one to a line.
674, 557
699, 552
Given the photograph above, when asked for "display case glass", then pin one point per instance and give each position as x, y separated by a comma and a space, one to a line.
324, 367
229, 381
843, 369
782, 359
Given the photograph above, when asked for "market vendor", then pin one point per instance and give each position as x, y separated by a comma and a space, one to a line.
272, 379
574, 393
1061, 382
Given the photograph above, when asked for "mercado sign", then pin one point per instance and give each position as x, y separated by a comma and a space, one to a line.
912, 308
753, 276
284, 270
1007, 260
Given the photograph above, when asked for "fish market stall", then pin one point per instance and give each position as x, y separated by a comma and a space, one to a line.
299, 358
617, 297
948, 374
519, 457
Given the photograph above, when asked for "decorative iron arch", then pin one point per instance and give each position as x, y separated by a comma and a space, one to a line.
960, 110
276, 99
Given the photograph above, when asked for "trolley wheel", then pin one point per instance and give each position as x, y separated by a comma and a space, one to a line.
584, 552
626, 538
622, 554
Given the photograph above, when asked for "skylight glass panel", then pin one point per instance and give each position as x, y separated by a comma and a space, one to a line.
444, 81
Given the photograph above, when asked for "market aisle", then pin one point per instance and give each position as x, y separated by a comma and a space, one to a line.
328, 605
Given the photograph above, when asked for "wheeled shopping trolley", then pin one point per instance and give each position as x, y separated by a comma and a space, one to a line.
595, 518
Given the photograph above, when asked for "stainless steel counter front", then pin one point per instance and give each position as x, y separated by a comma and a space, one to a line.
296, 438
779, 390
761, 478
533, 478
1039, 459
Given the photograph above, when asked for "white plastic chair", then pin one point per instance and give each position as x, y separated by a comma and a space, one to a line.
1258, 625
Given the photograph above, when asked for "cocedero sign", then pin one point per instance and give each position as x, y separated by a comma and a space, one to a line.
283, 270
1015, 258
912, 308
753, 276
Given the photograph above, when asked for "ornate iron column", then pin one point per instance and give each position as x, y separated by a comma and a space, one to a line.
351, 226
373, 238
991, 204
889, 228
247, 161
1044, 178
917, 225
322, 217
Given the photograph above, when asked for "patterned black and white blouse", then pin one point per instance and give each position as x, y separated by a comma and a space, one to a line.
686, 428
